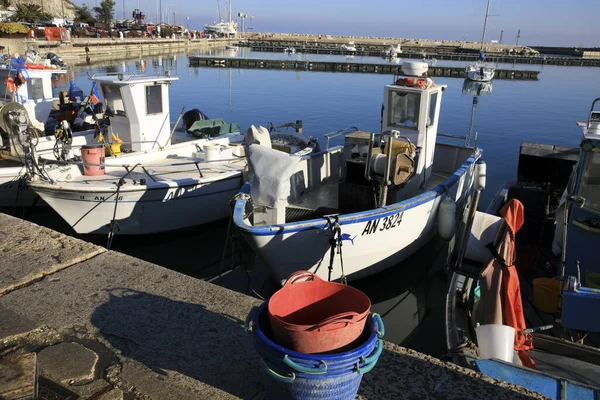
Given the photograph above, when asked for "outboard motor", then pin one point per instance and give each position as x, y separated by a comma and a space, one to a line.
14, 121
192, 116
55, 60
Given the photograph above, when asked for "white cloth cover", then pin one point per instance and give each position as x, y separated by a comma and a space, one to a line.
484, 230
271, 172
258, 135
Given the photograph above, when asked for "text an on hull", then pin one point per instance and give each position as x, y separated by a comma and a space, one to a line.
376, 196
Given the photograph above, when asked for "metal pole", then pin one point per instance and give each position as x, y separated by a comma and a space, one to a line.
487, 11
160, 12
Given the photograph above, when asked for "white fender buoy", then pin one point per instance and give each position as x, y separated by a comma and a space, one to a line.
447, 218
480, 175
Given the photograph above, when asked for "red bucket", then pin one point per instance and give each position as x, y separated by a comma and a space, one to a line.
92, 157
310, 315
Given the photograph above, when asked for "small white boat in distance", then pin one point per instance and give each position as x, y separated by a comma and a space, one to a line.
349, 47
378, 199
393, 52
289, 50
479, 71
231, 47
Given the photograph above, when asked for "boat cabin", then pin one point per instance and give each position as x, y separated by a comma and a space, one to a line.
36, 93
581, 297
138, 108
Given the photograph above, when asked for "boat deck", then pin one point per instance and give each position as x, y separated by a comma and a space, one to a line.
325, 200
171, 169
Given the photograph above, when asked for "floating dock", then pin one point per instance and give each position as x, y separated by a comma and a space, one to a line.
344, 66
455, 53
102, 325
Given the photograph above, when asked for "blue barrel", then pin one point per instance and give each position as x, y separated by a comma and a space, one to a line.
291, 375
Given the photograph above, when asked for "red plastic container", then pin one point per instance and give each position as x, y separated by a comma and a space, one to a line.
93, 154
310, 315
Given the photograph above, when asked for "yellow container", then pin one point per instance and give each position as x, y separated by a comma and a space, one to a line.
592, 280
116, 149
546, 292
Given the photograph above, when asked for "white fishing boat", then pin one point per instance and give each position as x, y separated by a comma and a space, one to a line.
155, 185
480, 71
25, 116
231, 47
379, 203
31, 86
393, 52
349, 47
289, 50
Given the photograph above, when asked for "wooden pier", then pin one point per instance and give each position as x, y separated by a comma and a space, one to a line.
343, 66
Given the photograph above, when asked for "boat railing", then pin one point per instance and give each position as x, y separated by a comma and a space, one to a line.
132, 76
448, 135
129, 168
340, 132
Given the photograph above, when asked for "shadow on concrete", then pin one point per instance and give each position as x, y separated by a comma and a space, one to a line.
406, 376
164, 334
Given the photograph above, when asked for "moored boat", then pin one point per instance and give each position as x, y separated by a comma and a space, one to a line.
376, 199
545, 286
479, 71
162, 180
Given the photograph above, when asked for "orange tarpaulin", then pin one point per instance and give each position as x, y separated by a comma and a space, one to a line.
500, 301
512, 304
57, 34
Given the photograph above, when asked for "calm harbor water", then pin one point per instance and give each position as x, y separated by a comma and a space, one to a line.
411, 296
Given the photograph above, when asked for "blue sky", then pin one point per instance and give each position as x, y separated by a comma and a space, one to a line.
542, 22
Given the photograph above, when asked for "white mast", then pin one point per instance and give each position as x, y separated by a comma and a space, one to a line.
487, 11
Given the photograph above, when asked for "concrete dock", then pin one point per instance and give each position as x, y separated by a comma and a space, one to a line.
103, 325
344, 66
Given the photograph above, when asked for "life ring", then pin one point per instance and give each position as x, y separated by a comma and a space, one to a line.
421, 83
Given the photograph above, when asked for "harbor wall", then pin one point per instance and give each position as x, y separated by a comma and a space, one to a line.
104, 325
100, 46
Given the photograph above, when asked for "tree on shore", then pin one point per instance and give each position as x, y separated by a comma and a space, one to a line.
83, 14
27, 12
105, 12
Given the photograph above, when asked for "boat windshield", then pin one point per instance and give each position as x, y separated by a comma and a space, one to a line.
404, 109
590, 182
113, 99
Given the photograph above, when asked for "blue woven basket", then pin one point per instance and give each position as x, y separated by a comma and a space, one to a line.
291, 375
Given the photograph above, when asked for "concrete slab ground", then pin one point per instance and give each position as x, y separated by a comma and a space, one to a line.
162, 335
30, 252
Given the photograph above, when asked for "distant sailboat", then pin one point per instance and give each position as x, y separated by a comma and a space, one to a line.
478, 71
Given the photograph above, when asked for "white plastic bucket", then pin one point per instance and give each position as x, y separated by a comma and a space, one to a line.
212, 152
496, 341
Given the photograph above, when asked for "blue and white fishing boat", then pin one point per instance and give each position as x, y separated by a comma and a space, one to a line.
557, 266
352, 210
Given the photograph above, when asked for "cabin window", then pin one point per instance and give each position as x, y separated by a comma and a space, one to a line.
113, 99
404, 109
35, 87
590, 182
154, 99
432, 107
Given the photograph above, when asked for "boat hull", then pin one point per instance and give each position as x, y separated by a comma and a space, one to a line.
371, 241
146, 209
474, 74
14, 191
